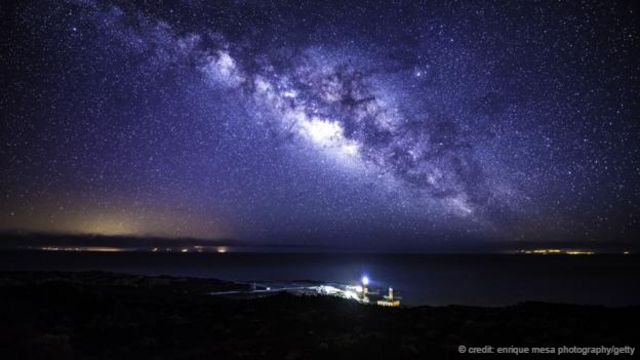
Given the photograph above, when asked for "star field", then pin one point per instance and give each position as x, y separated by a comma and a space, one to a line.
382, 124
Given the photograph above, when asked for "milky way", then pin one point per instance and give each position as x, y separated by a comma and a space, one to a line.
336, 123
331, 107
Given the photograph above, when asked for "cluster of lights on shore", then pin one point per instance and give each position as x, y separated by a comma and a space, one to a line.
558, 252
196, 249
362, 294
182, 250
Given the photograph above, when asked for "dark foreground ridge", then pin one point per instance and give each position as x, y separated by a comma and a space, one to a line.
98, 315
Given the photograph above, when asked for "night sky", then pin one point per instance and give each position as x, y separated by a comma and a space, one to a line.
370, 124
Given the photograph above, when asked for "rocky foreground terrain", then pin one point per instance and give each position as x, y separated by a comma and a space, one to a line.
97, 315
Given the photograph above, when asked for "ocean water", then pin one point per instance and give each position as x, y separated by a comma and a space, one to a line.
488, 280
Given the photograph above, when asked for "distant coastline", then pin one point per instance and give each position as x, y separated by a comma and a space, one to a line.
22, 240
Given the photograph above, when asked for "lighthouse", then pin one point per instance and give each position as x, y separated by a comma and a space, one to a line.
365, 285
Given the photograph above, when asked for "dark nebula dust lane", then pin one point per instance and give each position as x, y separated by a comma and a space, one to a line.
342, 123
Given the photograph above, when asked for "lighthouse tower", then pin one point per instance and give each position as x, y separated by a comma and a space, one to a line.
365, 285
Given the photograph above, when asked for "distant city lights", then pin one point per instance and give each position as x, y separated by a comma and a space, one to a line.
82, 248
556, 252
